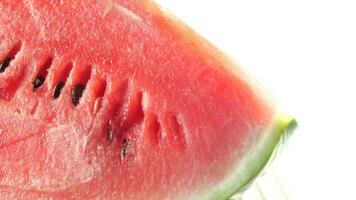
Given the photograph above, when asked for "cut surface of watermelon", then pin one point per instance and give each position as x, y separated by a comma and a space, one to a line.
118, 100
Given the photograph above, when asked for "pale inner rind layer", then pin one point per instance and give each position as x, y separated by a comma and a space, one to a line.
254, 161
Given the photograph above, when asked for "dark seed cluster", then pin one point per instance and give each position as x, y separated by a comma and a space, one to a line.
38, 82
4, 64
124, 148
57, 89
77, 92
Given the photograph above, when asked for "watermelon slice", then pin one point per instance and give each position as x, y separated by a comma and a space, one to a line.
116, 99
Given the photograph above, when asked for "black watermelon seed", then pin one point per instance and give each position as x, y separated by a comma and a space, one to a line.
77, 92
124, 148
38, 82
57, 89
5, 64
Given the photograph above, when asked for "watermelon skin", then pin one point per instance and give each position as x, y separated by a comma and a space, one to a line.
164, 114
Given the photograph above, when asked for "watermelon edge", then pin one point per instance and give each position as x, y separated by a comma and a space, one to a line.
256, 160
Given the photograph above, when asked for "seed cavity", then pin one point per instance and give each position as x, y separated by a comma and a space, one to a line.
135, 113
174, 126
175, 130
125, 145
42, 73
110, 132
81, 77
63, 76
99, 88
77, 92
10, 56
58, 89
97, 105
152, 128
5, 64
38, 82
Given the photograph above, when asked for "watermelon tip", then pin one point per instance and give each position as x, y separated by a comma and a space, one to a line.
257, 159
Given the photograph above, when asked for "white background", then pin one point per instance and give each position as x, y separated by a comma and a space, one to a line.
305, 52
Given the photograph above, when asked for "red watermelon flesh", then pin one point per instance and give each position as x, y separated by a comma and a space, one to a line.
118, 100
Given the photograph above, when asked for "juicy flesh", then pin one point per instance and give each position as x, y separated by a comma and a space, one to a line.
129, 103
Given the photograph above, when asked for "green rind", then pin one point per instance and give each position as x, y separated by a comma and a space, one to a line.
255, 161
